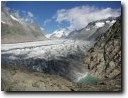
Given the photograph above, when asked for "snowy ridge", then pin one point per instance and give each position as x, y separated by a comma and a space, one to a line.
48, 35
99, 24
3, 22
113, 21
14, 18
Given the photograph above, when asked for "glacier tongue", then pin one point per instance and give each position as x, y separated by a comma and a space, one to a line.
60, 57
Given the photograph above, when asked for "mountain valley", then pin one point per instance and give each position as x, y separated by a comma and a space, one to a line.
88, 59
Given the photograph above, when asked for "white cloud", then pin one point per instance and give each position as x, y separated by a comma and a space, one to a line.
79, 17
24, 16
29, 17
47, 21
30, 14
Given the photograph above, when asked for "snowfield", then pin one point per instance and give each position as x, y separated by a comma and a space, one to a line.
99, 24
61, 57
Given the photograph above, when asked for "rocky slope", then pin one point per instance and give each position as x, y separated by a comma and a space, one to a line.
20, 79
15, 79
104, 59
15, 30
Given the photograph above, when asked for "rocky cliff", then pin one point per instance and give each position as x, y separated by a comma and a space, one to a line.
104, 59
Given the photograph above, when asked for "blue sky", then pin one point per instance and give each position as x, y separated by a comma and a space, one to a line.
47, 16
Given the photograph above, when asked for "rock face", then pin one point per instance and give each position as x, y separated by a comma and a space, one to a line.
104, 59
15, 30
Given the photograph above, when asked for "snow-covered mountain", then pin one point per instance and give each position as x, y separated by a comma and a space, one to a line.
90, 32
15, 29
101, 23
93, 29
61, 33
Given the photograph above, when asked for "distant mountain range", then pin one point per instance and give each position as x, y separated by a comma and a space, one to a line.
15, 30
90, 32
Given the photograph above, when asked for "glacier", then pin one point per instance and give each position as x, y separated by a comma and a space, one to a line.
62, 57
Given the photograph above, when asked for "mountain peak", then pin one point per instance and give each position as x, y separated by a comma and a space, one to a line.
60, 33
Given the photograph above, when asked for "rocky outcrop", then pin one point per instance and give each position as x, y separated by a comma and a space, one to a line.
104, 59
